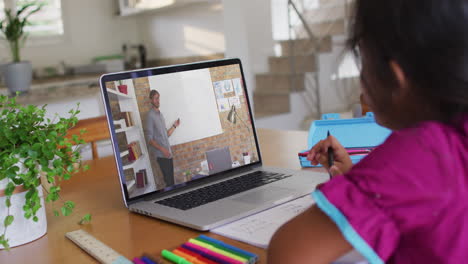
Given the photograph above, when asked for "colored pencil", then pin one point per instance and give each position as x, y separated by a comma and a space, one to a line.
238, 253
217, 250
209, 255
195, 255
192, 259
241, 251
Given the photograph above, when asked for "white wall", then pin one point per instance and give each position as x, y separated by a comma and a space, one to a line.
248, 33
191, 30
92, 28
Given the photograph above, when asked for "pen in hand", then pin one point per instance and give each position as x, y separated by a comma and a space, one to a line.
331, 158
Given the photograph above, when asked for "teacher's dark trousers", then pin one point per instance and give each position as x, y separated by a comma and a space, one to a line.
167, 168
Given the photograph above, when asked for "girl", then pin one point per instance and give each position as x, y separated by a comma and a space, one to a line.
406, 202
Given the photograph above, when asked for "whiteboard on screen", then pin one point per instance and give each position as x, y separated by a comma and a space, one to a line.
189, 96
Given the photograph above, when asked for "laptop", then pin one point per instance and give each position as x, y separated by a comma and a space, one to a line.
219, 160
163, 145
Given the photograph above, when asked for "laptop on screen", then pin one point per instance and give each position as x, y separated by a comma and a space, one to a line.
219, 160
186, 148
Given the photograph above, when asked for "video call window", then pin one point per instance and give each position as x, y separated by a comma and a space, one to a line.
177, 127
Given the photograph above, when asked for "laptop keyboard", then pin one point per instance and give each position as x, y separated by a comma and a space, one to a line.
221, 190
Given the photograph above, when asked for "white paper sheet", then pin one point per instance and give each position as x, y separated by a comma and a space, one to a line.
258, 229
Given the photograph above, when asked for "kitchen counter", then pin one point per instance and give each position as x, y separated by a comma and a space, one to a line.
58, 89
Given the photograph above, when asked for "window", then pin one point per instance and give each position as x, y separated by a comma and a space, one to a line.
2, 7
45, 23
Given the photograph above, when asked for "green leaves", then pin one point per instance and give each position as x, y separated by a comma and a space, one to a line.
11, 172
85, 219
8, 220
4, 242
32, 203
9, 189
53, 194
58, 163
69, 204
67, 208
30, 144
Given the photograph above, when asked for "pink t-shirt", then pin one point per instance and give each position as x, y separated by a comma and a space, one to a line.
407, 201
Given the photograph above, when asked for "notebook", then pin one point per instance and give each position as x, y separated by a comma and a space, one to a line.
194, 109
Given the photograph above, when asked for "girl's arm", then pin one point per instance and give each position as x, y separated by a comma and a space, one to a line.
310, 237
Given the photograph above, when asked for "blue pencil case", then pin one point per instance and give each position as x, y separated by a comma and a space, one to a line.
352, 133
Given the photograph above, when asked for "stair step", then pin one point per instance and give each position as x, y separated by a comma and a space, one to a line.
271, 104
323, 14
302, 64
320, 30
269, 83
305, 46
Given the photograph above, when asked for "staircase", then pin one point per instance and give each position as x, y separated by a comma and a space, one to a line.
299, 58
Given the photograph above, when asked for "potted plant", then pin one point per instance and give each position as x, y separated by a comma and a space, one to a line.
18, 74
31, 145
122, 87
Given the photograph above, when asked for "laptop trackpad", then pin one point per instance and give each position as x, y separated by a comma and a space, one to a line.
264, 195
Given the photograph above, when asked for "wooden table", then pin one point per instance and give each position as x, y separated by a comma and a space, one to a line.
98, 192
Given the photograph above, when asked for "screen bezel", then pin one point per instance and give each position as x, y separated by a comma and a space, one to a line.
165, 70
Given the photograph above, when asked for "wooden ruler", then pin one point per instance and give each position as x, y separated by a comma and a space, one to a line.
96, 248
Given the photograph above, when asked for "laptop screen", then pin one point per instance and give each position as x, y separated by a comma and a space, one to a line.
173, 126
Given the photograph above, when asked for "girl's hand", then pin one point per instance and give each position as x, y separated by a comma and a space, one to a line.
319, 154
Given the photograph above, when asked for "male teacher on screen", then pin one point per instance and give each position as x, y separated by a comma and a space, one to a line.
158, 137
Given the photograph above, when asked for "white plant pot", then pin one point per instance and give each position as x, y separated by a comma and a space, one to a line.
22, 230
18, 76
